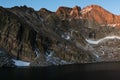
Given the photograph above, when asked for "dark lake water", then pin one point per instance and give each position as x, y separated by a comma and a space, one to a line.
93, 71
96, 71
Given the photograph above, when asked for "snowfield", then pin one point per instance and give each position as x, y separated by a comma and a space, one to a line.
101, 40
21, 63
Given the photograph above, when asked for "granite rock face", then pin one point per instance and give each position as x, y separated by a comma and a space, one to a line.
5, 59
16, 36
55, 38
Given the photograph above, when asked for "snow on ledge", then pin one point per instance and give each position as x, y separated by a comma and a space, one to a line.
86, 10
101, 40
112, 25
21, 63
67, 37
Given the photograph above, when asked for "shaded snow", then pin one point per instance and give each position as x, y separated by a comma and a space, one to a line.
21, 63
49, 53
66, 36
92, 41
101, 40
55, 60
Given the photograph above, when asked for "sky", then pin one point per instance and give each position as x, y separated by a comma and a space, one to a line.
110, 5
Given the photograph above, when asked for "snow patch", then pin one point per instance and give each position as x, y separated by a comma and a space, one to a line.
101, 40
55, 60
66, 36
92, 41
49, 53
21, 63
112, 25
86, 10
80, 17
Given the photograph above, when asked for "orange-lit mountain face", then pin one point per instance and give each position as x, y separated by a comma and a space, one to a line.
93, 13
69, 35
100, 15
65, 12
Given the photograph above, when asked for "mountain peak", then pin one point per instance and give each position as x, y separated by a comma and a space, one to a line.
91, 7
63, 12
94, 5
63, 9
44, 10
75, 12
100, 15
77, 8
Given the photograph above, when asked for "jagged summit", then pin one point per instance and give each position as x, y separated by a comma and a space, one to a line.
44, 10
63, 12
75, 12
66, 12
61, 8
94, 7
99, 15
91, 12
55, 38
24, 7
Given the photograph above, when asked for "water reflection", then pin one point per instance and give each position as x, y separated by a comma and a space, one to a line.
72, 72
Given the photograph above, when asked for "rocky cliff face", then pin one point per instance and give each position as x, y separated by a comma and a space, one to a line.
16, 36
5, 59
55, 38
75, 12
65, 12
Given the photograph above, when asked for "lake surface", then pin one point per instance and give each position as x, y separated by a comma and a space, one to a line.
94, 71
91, 71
